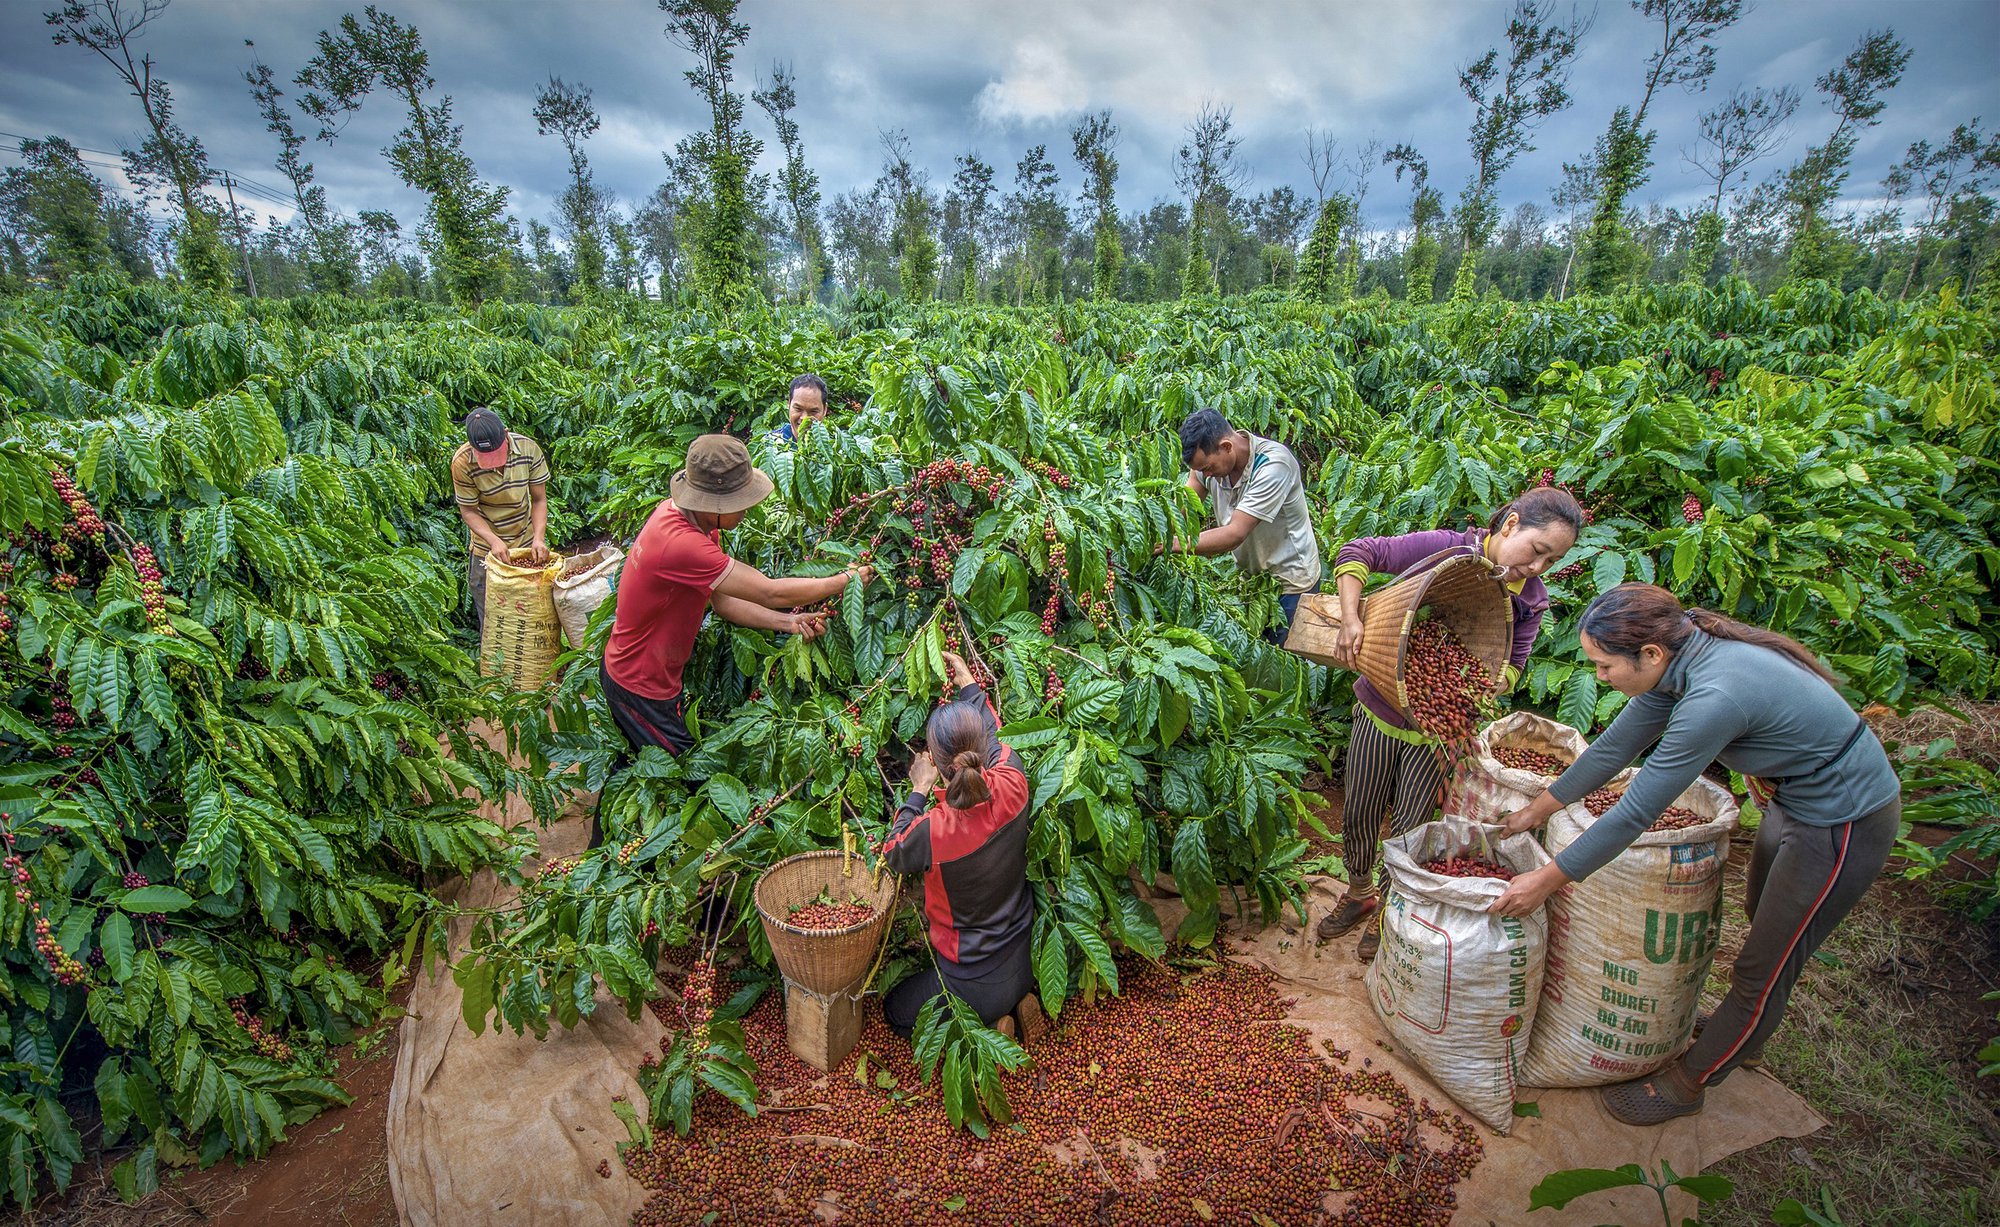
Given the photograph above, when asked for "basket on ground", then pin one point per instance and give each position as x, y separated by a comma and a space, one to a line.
1461, 592
823, 960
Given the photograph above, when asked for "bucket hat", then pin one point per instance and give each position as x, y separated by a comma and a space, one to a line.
719, 477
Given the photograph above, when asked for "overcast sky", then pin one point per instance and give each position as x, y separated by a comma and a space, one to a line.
963, 75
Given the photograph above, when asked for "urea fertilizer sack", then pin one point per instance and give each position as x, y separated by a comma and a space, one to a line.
1486, 789
584, 584
522, 635
1456, 987
1629, 948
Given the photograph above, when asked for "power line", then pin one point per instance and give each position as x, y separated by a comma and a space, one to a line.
250, 187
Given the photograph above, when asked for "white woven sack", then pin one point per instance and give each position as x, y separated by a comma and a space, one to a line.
1630, 947
587, 586
1456, 987
1487, 790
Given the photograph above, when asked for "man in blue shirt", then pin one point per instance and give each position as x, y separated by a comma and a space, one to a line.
808, 404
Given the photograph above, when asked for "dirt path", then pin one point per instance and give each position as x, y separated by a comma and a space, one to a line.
334, 1170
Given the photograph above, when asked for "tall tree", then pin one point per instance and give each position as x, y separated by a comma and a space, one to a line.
330, 257
1510, 99
466, 232
1683, 56
1854, 91
721, 218
1957, 170
1095, 141
971, 197
52, 209
1036, 216
657, 223
908, 191
798, 186
1745, 128
1420, 261
169, 158
1361, 168
565, 112
1209, 172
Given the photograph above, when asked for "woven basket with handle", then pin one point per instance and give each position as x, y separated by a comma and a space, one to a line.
823, 960
1460, 591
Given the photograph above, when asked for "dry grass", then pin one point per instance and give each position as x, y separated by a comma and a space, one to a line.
1879, 1038
1977, 733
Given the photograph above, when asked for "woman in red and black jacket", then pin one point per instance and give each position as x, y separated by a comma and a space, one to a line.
972, 851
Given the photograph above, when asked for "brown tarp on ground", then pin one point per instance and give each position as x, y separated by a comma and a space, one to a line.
1573, 1131
508, 1129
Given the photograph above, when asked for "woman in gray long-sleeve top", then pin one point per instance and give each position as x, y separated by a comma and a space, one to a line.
1709, 688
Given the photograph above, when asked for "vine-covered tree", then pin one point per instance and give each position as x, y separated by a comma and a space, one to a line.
565, 112
170, 158
1854, 91
970, 202
907, 189
721, 217
1684, 56
798, 186
1095, 141
1426, 209
1361, 168
1747, 127
1039, 223
466, 231
1209, 172
1319, 273
1954, 172
1510, 100
329, 241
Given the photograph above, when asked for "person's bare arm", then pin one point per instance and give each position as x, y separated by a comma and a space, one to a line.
1225, 537
758, 617
538, 513
484, 531
746, 583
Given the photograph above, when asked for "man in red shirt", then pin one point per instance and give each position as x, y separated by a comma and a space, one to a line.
676, 572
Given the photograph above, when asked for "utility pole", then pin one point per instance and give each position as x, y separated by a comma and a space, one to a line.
237, 222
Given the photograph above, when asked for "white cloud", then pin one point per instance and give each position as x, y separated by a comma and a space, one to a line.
1040, 84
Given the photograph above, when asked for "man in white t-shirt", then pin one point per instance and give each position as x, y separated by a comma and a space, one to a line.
1259, 496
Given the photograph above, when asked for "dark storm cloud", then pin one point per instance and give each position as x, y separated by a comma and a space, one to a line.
996, 78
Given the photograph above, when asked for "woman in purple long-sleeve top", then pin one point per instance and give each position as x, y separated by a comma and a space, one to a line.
1392, 768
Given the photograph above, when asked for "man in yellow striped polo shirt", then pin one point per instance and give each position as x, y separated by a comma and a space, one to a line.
501, 481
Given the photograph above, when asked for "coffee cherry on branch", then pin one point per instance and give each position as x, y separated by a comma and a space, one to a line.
1691, 509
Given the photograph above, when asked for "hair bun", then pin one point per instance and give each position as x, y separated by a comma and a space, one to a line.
968, 760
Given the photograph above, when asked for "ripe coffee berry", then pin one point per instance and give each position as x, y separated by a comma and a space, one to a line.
1531, 760
1466, 865
829, 915
1691, 509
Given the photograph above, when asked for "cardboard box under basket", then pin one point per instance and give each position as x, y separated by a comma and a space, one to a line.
825, 970
1460, 591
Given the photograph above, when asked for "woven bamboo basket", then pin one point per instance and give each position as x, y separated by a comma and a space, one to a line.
823, 960
1460, 592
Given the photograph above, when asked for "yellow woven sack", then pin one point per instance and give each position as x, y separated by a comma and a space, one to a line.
523, 634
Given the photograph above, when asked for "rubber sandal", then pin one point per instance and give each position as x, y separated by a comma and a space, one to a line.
1371, 939
1655, 1099
1751, 1060
1343, 918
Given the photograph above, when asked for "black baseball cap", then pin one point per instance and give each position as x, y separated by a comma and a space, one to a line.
488, 436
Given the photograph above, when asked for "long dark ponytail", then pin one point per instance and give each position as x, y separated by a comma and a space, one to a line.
1631, 616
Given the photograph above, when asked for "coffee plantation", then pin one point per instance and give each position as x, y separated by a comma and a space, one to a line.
238, 697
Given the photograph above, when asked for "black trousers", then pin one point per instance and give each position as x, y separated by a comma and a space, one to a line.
1802, 881
1389, 779
994, 992
647, 722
